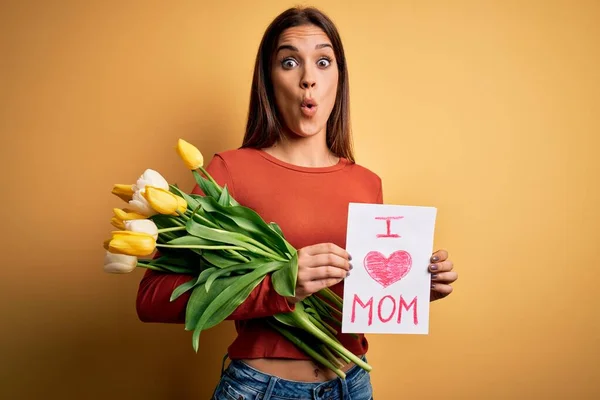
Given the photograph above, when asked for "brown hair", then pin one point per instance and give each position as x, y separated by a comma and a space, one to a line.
264, 125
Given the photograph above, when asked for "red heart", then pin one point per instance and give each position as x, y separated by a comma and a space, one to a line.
386, 271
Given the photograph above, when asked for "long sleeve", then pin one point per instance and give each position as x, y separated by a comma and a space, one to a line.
155, 288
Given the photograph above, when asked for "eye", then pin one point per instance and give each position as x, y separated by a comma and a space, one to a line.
289, 63
324, 62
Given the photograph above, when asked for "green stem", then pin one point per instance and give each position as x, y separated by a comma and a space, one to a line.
199, 246
149, 266
182, 215
206, 221
268, 252
330, 356
237, 255
176, 221
175, 228
318, 357
210, 178
331, 296
321, 327
306, 325
331, 308
315, 302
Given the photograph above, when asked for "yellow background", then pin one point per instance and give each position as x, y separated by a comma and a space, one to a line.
487, 110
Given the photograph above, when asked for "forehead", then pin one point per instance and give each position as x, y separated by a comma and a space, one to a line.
307, 34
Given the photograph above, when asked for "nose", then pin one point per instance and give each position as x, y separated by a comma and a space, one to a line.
308, 79
308, 83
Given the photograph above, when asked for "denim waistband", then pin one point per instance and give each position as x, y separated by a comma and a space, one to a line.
260, 381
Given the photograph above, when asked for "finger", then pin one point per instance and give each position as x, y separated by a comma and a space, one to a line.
440, 255
315, 286
326, 272
326, 248
443, 266
444, 277
441, 288
327, 260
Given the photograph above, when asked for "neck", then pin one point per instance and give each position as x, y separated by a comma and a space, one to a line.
304, 152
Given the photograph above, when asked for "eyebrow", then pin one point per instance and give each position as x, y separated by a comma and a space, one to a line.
293, 48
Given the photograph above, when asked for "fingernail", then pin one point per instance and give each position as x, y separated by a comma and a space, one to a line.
435, 258
347, 274
351, 266
433, 267
434, 276
433, 286
349, 257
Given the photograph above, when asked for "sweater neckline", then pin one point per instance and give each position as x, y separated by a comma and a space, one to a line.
342, 162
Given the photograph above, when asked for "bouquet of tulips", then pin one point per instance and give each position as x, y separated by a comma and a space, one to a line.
228, 248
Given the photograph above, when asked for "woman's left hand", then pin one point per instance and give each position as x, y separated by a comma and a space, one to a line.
442, 275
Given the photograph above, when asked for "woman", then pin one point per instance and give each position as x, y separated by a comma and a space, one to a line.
296, 168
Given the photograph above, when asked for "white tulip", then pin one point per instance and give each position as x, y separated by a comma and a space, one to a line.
119, 263
140, 205
142, 226
151, 178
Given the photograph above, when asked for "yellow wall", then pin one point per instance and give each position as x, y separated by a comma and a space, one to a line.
488, 110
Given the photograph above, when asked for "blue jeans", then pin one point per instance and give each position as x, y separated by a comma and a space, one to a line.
242, 382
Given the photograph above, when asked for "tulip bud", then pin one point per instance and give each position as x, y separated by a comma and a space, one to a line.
131, 243
123, 191
119, 263
139, 204
181, 204
124, 215
151, 178
162, 201
117, 223
142, 226
191, 156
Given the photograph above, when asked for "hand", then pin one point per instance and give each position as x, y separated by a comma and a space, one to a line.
441, 275
319, 266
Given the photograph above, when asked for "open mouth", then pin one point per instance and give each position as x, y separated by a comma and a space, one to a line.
308, 103
308, 107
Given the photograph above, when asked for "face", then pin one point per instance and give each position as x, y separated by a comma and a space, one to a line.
305, 79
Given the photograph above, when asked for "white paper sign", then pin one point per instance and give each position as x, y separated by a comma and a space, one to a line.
388, 288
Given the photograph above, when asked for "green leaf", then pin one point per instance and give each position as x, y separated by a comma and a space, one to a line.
284, 280
192, 202
276, 228
224, 198
217, 301
184, 287
219, 235
218, 260
249, 221
233, 268
190, 240
209, 188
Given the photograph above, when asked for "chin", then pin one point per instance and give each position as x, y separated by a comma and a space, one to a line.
308, 131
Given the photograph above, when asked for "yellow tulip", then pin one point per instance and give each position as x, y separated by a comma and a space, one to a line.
162, 201
117, 223
125, 192
124, 215
191, 156
181, 204
131, 243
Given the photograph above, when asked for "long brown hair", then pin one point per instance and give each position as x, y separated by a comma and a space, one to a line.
264, 125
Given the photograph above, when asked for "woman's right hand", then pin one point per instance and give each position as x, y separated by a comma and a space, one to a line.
319, 266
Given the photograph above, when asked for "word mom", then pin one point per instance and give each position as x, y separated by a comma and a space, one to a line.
399, 306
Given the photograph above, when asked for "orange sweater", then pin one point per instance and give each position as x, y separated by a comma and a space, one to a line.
309, 204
